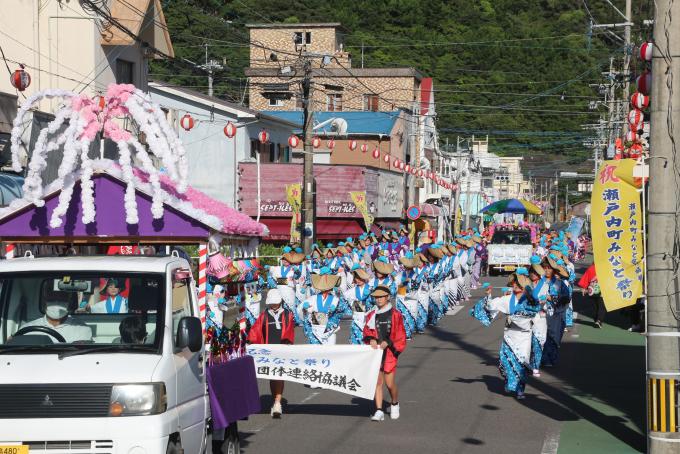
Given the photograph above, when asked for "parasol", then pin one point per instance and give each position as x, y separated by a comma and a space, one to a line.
512, 206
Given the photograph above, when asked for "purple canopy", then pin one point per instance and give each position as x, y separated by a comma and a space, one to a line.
31, 224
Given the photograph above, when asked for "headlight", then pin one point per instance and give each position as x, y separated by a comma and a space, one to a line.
138, 399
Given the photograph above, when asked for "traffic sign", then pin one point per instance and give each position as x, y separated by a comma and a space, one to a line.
413, 212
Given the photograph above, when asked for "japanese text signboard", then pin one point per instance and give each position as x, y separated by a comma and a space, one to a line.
617, 234
349, 369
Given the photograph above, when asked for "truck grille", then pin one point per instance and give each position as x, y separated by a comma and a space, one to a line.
70, 446
55, 401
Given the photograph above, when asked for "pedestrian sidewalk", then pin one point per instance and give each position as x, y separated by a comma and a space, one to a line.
603, 374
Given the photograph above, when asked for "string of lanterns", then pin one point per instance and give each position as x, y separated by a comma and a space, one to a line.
639, 103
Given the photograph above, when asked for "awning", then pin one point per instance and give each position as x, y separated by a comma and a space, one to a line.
429, 210
326, 229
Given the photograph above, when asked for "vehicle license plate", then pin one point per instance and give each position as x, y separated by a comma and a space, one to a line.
13, 449
505, 268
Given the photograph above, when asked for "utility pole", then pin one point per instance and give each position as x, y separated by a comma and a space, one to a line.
308, 186
456, 203
210, 67
566, 202
663, 289
557, 193
626, 56
416, 164
467, 191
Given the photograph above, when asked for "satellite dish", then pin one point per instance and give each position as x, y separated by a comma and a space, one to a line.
339, 126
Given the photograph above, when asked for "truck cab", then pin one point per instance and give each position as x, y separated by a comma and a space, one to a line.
102, 354
509, 250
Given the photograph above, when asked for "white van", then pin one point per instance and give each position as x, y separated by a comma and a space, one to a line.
101, 355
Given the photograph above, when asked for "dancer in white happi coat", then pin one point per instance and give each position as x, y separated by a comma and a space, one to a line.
459, 265
407, 293
450, 283
520, 308
539, 325
358, 297
436, 309
321, 313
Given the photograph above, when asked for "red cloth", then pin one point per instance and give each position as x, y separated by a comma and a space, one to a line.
397, 339
259, 333
587, 277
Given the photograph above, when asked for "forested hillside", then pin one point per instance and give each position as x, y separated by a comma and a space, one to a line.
519, 70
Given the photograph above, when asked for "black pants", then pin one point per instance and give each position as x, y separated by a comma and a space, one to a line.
598, 305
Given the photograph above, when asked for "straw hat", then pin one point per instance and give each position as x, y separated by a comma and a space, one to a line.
436, 252
537, 268
477, 239
552, 263
383, 267
294, 258
380, 290
325, 280
452, 249
361, 274
460, 240
409, 261
521, 279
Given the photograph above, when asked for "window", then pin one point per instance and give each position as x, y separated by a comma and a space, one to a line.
181, 302
275, 102
371, 103
303, 38
334, 102
125, 72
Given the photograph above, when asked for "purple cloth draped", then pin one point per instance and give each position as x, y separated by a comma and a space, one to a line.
232, 387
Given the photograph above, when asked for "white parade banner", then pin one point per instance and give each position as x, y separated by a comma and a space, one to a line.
349, 369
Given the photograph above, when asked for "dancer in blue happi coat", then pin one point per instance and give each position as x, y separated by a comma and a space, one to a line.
520, 308
419, 280
322, 312
360, 301
558, 300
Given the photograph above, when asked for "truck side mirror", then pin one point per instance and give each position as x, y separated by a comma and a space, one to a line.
189, 334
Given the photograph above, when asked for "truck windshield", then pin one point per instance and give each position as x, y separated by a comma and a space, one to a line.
58, 311
511, 237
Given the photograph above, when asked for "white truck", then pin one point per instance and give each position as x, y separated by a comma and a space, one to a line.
102, 355
508, 250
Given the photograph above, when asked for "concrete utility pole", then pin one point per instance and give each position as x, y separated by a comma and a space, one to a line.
210, 67
456, 203
308, 186
663, 285
626, 56
467, 191
416, 163
557, 200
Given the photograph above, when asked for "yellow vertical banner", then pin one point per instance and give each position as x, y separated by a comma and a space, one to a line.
294, 196
616, 222
359, 199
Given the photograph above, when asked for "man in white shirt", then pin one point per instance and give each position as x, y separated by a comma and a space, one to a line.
57, 318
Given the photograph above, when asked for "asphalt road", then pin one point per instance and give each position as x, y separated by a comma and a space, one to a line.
452, 401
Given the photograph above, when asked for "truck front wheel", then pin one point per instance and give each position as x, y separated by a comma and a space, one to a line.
231, 443
174, 446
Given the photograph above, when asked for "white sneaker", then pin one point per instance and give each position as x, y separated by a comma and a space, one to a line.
277, 411
378, 416
536, 373
394, 411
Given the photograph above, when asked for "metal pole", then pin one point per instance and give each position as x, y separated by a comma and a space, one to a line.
210, 73
308, 208
416, 164
566, 202
663, 294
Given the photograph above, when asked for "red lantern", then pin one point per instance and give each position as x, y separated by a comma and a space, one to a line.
330, 144
364, 148
395, 163
293, 141
639, 101
387, 158
20, 79
230, 130
420, 173
631, 136
186, 122
376, 153
402, 165
635, 117
644, 82
316, 142
646, 50
101, 101
263, 136
407, 168
352, 145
